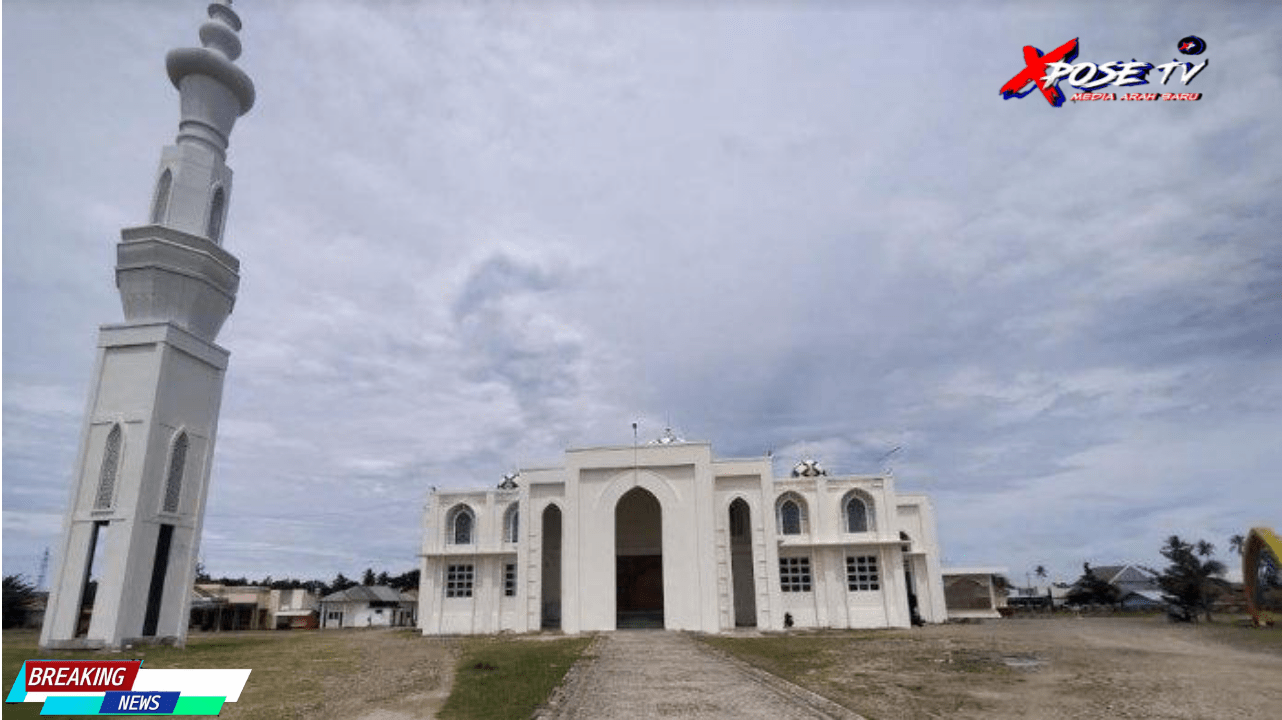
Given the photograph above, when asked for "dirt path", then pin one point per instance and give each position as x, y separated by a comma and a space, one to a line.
632, 675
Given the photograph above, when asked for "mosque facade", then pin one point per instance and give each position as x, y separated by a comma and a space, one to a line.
666, 535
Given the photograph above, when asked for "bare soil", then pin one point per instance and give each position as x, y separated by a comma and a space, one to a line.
376, 674
1048, 667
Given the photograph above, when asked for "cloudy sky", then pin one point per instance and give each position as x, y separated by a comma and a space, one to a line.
473, 236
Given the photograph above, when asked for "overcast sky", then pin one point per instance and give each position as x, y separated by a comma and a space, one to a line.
473, 236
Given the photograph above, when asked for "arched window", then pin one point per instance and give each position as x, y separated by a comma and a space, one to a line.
161, 204
791, 512
110, 466
460, 525
858, 511
511, 524
216, 215
174, 480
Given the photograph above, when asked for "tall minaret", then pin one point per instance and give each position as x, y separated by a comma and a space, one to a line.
132, 529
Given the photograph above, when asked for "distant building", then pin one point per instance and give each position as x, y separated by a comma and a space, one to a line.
294, 609
974, 593
367, 606
1136, 586
216, 607
664, 535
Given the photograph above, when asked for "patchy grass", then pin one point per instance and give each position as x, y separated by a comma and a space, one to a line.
296, 673
497, 678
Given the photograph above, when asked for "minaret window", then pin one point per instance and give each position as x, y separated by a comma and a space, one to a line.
162, 198
174, 481
110, 466
216, 207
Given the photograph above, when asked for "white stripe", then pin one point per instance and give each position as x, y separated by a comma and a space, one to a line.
40, 696
228, 683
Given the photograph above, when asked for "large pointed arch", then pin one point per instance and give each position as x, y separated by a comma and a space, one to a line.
638, 551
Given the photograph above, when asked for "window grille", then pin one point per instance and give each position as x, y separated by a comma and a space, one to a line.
460, 523
509, 580
856, 515
794, 574
110, 466
791, 515
861, 573
458, 581
174, 481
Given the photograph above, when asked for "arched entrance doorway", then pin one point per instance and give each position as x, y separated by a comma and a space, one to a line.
550, 609
745, 589
638, 560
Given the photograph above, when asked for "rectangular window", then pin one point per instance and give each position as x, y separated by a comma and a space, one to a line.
861, 573
509, 580
794, 574
458, 581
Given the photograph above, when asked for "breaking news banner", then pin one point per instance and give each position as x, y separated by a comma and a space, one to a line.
123, 687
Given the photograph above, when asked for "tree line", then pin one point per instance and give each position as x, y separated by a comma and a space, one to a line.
404, 581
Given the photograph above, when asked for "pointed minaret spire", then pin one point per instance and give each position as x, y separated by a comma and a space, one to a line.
147, 444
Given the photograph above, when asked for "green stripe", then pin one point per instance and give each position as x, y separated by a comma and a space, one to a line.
199, 705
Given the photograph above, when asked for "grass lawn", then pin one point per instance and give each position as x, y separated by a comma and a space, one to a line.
502, 678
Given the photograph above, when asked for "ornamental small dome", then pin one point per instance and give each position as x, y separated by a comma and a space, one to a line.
667, 438
808, 468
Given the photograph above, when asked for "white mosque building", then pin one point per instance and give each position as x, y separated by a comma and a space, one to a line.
666, 535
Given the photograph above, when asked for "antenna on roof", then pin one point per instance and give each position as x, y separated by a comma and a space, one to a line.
884, 458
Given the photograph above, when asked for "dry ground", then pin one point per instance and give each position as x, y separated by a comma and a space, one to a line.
364, 674
1061, 667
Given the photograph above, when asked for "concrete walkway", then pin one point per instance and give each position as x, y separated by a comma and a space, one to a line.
632, 674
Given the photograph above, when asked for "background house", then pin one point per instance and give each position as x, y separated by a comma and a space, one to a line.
216, 607
295, 608
368, 606
1136, 586
974, 593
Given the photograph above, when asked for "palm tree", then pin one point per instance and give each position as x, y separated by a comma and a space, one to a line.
1205, 549
1189, 583
1237, 544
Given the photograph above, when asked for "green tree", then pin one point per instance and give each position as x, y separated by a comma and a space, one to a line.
1091, 589
17, 594
341, 582
368, 578
1189, 582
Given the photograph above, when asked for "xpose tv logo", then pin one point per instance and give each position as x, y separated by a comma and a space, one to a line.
1045, 72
